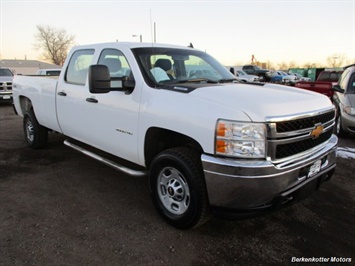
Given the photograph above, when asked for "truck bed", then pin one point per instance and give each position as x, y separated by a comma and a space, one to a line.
322, 87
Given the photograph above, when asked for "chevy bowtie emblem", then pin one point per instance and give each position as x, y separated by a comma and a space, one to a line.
315, 133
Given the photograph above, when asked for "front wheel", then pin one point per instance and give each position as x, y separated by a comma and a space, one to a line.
36, 135
178, 188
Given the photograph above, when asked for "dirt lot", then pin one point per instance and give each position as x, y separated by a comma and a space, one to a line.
58, 206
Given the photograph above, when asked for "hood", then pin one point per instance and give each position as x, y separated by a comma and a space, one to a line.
262, 101
6, 78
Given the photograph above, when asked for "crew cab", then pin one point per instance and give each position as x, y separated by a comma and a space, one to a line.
324, 83
206, 142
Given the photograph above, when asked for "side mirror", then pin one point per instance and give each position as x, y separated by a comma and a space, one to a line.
99, 79
232, 70
338, 89
128, 84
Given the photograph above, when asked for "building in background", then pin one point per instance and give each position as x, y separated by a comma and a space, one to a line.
26, 67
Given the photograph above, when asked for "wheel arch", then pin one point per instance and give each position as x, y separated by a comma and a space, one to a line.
25, 104
159, 139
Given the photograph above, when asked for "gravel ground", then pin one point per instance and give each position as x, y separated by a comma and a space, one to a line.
58, 206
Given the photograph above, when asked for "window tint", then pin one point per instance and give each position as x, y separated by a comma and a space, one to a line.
78, 66
116, 63
164, 66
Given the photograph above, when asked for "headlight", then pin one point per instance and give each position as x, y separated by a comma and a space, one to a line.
349, 110
239, 139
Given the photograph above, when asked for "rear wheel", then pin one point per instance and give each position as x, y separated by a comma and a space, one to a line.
36, 135
178, 188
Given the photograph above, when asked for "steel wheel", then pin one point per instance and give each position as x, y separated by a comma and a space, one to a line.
173, 190
178, 188
29, 130
36, 135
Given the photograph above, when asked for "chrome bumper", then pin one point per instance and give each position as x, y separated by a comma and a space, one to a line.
248, 184
348, 122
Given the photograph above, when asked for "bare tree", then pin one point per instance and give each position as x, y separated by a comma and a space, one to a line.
283, 66
55, 43
336, 60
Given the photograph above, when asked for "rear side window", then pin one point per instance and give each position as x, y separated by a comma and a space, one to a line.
78, 66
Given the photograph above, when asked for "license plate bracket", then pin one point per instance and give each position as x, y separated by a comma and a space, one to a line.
314, 168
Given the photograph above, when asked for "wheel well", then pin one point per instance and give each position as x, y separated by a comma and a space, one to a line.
26, 104
159, 139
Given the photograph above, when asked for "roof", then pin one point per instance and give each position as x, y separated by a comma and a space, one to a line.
131, 45
15, 63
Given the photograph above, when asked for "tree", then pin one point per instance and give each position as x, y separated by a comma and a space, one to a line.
55, 43
336, 60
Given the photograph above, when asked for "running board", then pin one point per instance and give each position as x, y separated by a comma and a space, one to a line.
105, 161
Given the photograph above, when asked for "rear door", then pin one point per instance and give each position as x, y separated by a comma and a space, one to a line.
71, 94
107, 121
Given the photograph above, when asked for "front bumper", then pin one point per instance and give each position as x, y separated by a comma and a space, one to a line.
348, 122
6, 96
255, 184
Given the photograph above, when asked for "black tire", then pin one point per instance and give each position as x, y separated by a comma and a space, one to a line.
36, 135
178, 188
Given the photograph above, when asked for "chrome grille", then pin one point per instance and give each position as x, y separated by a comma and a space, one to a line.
6, 86
292, 136
290, 149
308, 122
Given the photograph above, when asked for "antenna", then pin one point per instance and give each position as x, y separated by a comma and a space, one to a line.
152, 30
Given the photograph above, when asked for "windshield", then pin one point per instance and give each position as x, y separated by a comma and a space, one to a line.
4, 72
172, 66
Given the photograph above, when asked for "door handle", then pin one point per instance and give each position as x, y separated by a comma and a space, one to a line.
62, 93
92, 100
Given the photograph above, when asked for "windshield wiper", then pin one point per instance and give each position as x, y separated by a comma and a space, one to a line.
197, 80
227, 80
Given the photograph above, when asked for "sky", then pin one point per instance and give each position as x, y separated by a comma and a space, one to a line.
298, 31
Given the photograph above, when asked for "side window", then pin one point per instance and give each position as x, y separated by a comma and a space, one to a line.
78, 67
116, 63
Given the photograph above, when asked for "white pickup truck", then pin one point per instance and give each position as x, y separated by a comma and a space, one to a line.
206, 142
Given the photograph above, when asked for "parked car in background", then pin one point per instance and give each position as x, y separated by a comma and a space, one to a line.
324, 83
278, 76
288, 78
275, 76
300, 77
344, 101
6, 77
258, 71
48, 72
244, 77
